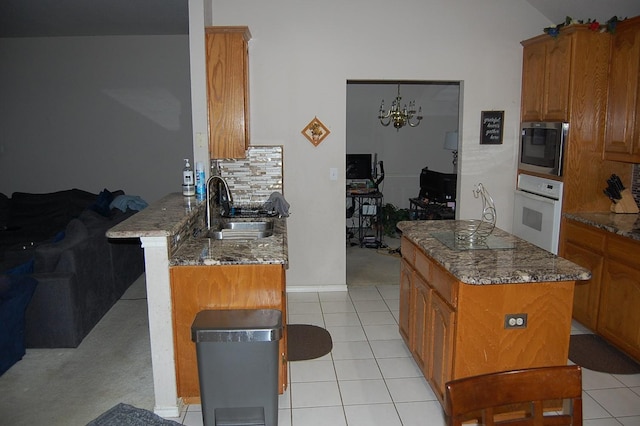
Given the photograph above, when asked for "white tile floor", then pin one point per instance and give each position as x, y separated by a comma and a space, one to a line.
370, 379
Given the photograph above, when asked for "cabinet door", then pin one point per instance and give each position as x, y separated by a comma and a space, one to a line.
227, 91
557, 79
195, 288
622, 140
420, 335
533, 76
619, 313
586, 297
440, 334
406, 273
546, 73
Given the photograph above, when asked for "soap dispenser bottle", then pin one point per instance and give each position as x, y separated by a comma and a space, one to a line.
188, 185
200, 181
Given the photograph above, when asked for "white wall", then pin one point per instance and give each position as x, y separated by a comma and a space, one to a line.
406, 151
94, 113
301, 55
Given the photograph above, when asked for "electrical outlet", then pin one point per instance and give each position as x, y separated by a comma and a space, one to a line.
515, 321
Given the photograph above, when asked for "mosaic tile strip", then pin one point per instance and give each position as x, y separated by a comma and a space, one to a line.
253, 179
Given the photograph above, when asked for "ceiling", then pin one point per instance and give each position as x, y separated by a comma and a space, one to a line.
44, 18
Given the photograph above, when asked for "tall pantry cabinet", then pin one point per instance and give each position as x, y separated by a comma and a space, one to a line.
227, 57
565, 78
622, 142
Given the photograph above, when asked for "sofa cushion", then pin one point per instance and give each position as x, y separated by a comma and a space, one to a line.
48, 255
42, 215
94, 221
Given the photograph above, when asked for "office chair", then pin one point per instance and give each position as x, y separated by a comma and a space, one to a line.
517, 397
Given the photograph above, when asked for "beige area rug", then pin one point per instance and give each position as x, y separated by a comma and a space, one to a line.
374, 266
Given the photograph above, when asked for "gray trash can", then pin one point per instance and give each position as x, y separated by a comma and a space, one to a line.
237, 352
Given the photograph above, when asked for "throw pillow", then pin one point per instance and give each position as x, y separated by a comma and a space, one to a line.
48, 255
101, 205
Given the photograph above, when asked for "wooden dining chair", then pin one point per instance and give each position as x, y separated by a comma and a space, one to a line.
517, 397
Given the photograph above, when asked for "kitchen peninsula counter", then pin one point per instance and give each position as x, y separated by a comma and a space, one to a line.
501, 306
178, 219
179, 264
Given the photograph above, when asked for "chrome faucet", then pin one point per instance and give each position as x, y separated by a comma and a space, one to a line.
224, 200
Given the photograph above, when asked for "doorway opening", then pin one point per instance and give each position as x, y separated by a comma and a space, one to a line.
398, 159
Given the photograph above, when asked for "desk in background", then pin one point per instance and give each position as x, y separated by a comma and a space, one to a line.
422, 210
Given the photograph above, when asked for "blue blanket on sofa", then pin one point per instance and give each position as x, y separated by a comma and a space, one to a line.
15, 294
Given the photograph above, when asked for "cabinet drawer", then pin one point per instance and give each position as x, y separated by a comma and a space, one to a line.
424, 264
408, 251
444, 284
584, 236
624, 250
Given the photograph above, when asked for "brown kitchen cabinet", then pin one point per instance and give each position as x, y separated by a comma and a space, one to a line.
622, 138
457, 330
406, 283
546, 74
566, 79
195, 288
421, 308
227, 62
585, 246
608, 302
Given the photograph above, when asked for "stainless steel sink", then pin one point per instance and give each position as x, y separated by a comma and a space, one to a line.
241, 230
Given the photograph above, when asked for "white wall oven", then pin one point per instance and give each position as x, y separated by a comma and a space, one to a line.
537, 211
542, 147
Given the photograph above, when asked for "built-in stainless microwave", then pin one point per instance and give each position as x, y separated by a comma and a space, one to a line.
542, 147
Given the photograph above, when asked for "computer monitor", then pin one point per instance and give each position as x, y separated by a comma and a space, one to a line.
358, 166
438, 187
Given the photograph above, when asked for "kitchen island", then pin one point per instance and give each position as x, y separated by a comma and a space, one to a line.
472, 309
171, 234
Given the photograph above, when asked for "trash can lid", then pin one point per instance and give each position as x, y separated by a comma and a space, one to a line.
237, 325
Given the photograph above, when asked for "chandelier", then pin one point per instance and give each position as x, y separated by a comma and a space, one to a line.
400, 116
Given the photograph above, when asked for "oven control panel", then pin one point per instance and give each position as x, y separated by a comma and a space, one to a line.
540, 186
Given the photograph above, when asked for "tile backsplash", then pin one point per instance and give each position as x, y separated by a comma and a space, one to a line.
253, 179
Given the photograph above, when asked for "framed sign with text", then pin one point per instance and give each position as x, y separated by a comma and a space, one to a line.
491, 127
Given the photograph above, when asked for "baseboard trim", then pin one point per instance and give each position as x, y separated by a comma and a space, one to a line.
169, 412
316, 289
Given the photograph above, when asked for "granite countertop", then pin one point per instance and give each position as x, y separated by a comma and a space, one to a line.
513, 261
179, 219
625, 225
208, 251
166, 217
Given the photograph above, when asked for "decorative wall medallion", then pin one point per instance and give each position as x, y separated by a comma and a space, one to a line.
315, 131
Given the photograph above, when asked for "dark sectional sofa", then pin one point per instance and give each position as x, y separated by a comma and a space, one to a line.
58, 239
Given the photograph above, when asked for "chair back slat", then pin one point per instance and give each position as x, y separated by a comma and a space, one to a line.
517, 398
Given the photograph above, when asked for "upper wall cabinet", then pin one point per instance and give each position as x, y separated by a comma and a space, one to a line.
622, 140
546, 71
565, 79
227, 55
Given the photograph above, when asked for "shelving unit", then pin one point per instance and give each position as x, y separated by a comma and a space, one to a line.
368, 213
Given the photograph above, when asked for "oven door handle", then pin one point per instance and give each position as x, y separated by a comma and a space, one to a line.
536, 197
